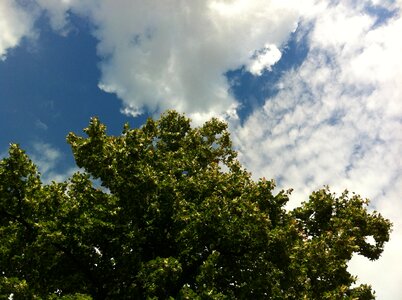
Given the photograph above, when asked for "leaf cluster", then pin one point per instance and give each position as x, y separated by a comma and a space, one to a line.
176, 217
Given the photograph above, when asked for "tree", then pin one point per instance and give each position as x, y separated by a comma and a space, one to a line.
175, 216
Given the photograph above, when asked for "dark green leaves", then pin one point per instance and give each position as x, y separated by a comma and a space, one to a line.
176, 217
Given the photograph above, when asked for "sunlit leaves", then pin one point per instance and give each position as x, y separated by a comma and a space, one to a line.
176, 216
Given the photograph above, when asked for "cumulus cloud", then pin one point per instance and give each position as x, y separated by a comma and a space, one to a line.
337, 120
174, 54
15, 23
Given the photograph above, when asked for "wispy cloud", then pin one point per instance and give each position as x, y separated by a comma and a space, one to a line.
41, 125
48, 159
337, 120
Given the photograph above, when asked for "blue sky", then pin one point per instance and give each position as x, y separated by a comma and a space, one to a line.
312, 91
49, 88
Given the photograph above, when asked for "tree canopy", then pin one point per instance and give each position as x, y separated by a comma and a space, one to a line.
175, 216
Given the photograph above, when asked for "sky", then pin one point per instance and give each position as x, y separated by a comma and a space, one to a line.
311, 90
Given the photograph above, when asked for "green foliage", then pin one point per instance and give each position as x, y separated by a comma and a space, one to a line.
176, 217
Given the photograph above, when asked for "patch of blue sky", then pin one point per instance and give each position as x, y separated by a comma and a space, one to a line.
360, 148
252, 91
336, 117
49, 87
381, 13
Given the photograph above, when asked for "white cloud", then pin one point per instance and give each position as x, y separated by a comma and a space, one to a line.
170, 54
57, 12
174, 54
15, 23
337, 120
264, 60
385, 273
131, 111
48, 158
